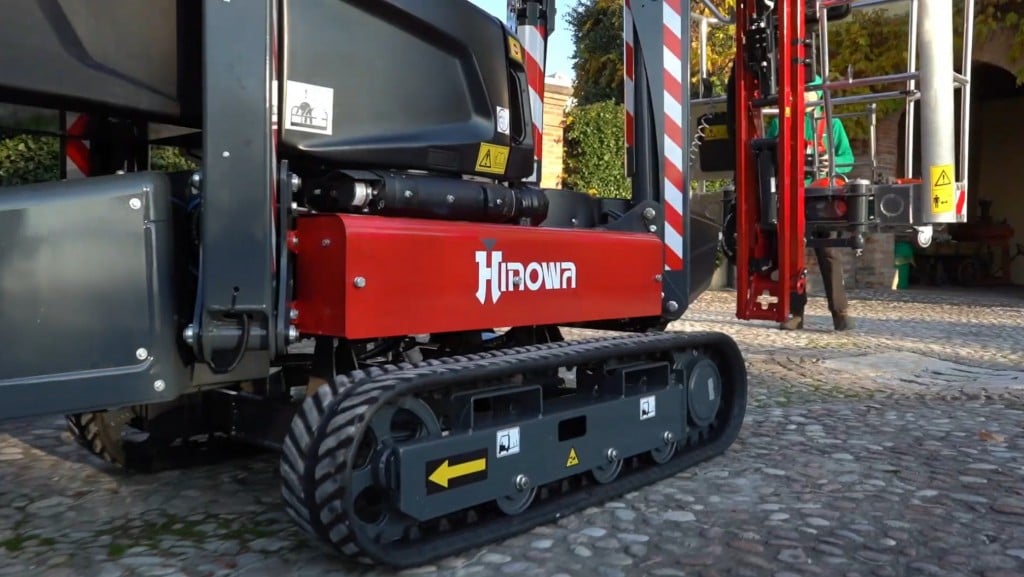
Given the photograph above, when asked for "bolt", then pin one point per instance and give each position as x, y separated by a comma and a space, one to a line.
189, 334
159, 385
669, 437
293, 333
359, 282
197, 178
295, 241
225, 154
450, 198
141, 354
293, 314
522, 482
325, 242
657, 278
295, 182
613, 455
652, 228
135, 203
649, 213
673, 306
408, 194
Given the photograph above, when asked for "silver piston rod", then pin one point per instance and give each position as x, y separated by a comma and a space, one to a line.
938, 129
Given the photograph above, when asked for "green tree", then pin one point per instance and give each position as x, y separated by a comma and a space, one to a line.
595, 149
596, 28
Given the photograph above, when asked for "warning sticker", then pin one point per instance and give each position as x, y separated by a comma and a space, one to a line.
943, 192
310, 108
647, 407
492, 158
515, 50
456, 471
508, 442
573, 460
502, 120
716, 132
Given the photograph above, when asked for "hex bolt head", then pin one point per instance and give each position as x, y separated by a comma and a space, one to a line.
325, 242
295, 181
649, 213
135, 204
159, 385
359, 282
657, 278
613, 455
293, 333
293, 314
652, 228
673, 306
197, 178
189, 334
408, 194
141, 354
450, 198
522, 482
669, 437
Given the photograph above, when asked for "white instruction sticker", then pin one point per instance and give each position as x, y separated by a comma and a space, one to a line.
503, 120
508, 442
310, 108
647, 408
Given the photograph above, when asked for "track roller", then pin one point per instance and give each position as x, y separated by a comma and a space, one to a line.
403, 465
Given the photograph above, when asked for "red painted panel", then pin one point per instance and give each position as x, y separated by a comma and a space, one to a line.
366, 276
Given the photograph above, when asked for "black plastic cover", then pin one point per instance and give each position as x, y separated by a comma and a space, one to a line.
404, 84
87, 295
120, 55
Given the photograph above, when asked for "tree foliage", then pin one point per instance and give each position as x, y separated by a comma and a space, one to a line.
595, 149
27, 159
997, 16
596, 28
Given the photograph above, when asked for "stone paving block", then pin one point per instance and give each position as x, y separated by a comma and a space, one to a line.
893, 449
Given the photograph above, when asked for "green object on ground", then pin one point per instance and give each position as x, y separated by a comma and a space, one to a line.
904, 258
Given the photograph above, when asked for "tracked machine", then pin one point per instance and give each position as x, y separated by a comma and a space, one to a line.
364, 274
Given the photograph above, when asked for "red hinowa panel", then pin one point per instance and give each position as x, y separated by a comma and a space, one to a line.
365, 276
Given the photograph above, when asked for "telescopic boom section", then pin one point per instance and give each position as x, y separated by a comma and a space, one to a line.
770, 202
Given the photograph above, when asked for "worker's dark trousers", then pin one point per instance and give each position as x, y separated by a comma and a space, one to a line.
831, 265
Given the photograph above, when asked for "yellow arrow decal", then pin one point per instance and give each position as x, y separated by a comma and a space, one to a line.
446, 472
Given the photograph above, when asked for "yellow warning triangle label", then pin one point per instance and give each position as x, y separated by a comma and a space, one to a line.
943, 179
485, 162
573, 460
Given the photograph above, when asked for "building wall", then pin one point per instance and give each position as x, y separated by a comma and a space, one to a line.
556, 98
1001, 124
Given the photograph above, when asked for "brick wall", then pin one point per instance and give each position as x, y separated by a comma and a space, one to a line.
556, 97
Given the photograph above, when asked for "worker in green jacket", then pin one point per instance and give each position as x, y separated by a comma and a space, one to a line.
814, 133
829, 258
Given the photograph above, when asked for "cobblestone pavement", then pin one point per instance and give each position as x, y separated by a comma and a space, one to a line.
890, 464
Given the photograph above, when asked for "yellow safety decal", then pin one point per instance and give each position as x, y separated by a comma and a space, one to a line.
492, 158
716, 132
943, 193
573, 460
515, 49
456, 471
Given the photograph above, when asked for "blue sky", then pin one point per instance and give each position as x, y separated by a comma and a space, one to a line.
560, 43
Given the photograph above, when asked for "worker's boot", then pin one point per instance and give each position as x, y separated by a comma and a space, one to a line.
842, 322
795, 323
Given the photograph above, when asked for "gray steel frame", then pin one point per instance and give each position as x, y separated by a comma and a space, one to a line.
238, 181
644, 162
542, 455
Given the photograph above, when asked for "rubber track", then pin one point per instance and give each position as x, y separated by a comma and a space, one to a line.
91, 434
315, 463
